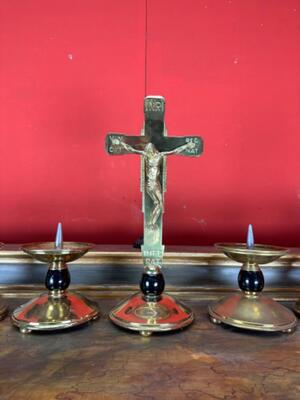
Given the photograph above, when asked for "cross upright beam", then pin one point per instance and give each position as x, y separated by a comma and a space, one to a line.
154, 146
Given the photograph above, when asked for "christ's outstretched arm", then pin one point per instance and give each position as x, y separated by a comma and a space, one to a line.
118, 142
180, 149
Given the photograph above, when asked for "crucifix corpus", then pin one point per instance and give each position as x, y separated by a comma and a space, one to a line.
151, 310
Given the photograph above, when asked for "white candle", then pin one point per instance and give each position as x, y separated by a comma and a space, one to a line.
59, 236
250, 237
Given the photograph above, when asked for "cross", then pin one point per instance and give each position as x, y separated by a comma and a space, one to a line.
154, 146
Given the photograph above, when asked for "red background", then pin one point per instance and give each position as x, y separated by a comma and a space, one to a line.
71, 71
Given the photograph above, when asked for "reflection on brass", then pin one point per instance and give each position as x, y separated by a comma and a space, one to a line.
153, 146
250, 309
57, 309
3, 306
152, 311
46, 313
166, 315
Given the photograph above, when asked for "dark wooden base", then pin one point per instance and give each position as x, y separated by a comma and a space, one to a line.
100, 361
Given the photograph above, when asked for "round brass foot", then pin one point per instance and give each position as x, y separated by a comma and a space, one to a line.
259, 313
25, 330
145, 333
215, 321
291, 330
45, 313
145, 317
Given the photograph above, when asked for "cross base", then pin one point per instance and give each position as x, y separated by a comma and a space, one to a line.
146, 317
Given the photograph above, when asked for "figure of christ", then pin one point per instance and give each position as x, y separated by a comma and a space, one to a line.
153, 159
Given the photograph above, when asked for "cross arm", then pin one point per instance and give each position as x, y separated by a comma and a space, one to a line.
180, 149
191, 146
118, 144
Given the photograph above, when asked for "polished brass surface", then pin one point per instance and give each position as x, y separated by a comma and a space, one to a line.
48, 313
136, 314
259, 313
252, 310
57, 309
3, 306
47, 252
259, 254
154, 146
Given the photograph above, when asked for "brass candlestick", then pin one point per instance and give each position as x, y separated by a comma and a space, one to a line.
250, 309
3, 306
57, 309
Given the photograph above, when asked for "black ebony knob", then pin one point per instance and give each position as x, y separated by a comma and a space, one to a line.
152, 285
57, 279
251, 281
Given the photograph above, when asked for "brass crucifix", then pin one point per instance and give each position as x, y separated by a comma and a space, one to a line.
153, 145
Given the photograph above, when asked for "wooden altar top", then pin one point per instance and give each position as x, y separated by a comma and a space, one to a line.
100, 361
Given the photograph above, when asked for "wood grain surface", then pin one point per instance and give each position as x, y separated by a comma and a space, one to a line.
102, 362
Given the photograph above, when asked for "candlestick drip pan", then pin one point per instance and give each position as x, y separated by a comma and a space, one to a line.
251, 309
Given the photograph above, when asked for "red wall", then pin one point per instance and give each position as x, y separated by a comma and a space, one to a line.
71, 71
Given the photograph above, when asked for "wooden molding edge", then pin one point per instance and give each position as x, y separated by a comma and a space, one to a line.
126, 255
